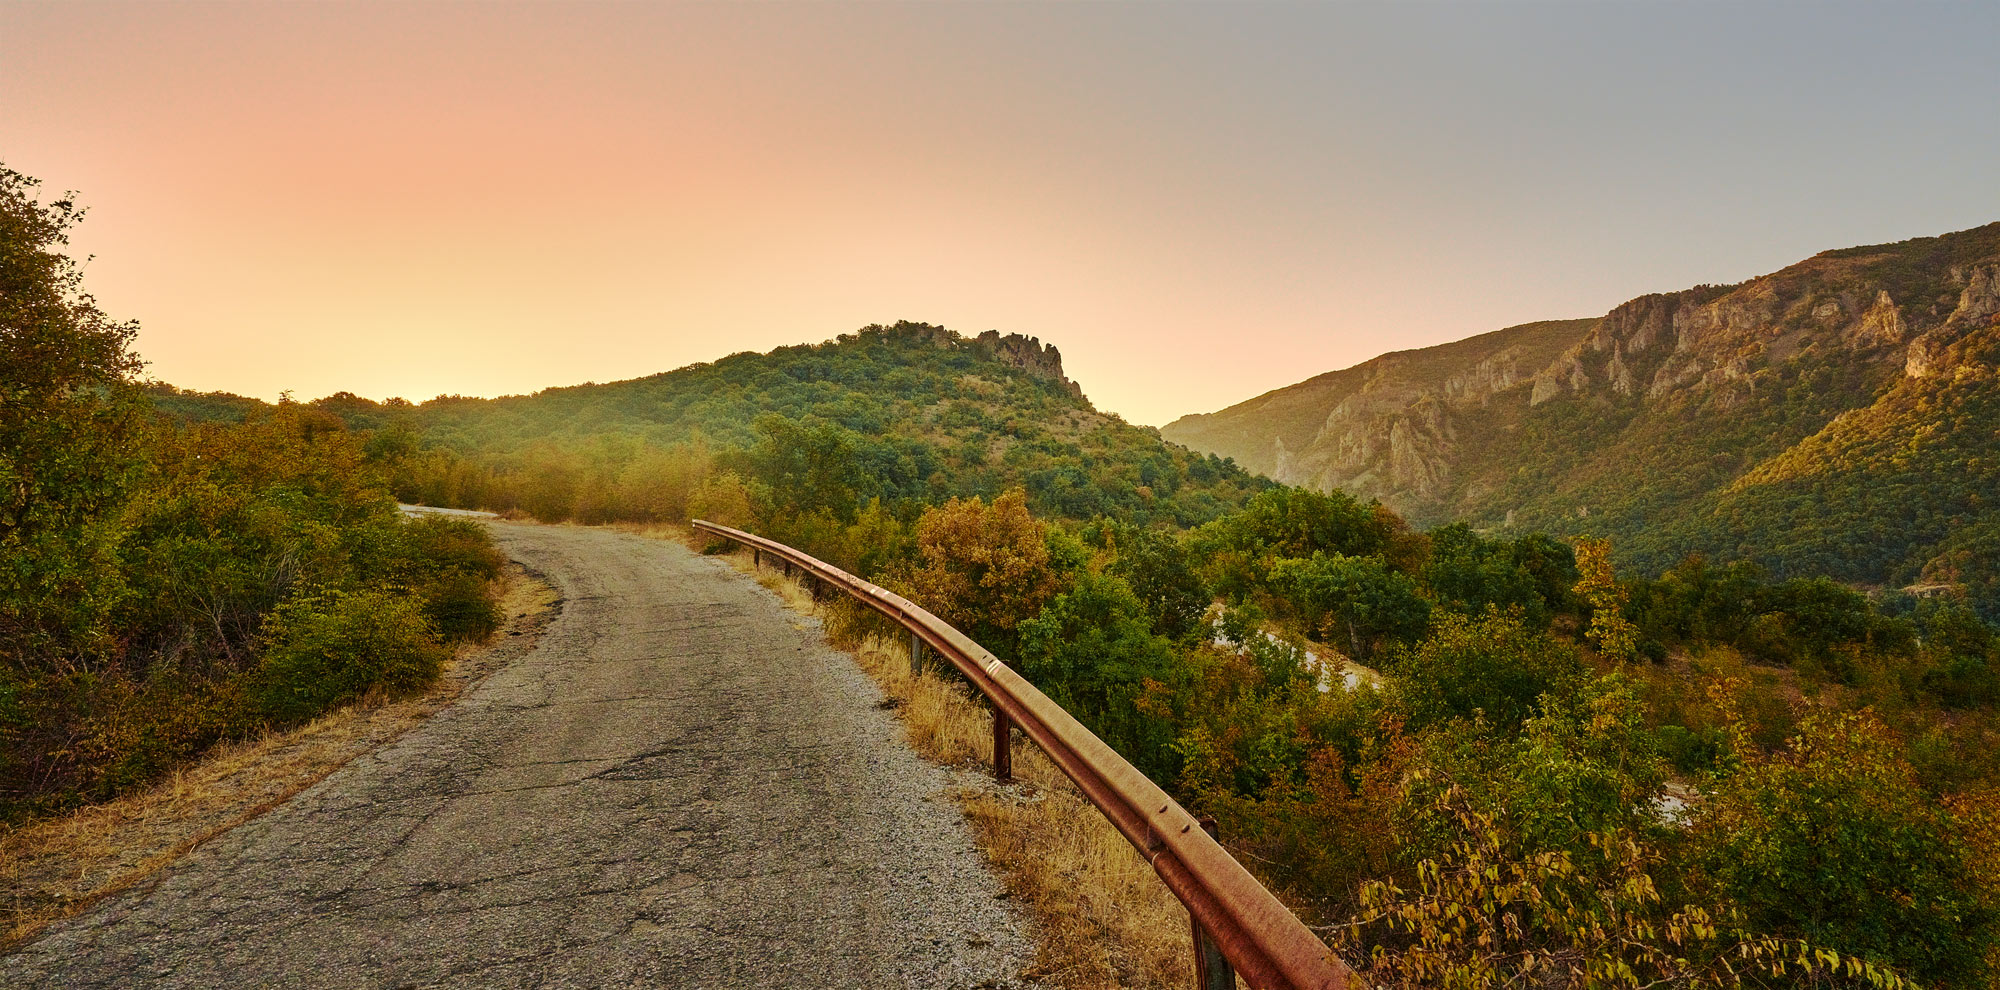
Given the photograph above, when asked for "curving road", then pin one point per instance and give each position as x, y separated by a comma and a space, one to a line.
678, 786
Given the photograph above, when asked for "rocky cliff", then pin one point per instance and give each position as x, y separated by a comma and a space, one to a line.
1390, 427
1664, 420
1029, 355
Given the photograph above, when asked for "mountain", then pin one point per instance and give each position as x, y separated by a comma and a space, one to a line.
914, 413
1838, 417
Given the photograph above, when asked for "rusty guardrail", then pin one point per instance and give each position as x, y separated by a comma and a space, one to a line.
1237, 923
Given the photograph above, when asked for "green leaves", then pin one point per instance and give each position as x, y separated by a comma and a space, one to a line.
1358, 600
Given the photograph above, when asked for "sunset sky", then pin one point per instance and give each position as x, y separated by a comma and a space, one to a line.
1197, 203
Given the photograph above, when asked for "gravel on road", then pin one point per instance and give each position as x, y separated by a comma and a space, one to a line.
681, 785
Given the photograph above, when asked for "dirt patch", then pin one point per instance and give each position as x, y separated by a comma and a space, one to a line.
55, 868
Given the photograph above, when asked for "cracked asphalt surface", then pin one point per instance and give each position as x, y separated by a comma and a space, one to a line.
680, 785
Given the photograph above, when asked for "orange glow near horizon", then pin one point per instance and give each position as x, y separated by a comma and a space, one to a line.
1196, 204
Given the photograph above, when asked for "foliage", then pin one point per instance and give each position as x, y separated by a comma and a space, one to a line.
1092, 649
1359, 596
450, 564
327, 646
1496, 911
1286, 522
1833, 841
1493, 667
984, 568
67, 417
1160, 571
1612, 634
1470, 573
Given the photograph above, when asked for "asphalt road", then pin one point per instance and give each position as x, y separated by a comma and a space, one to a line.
679, 786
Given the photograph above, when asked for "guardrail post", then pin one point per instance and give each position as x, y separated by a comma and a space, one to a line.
1003, 746
916, 654
1211, 968
756, 558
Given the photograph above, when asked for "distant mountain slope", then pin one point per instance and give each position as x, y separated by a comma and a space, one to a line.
1335, 430
1837, 417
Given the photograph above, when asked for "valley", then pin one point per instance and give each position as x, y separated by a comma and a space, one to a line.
1834, 418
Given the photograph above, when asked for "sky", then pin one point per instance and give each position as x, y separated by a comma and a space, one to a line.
1196, 202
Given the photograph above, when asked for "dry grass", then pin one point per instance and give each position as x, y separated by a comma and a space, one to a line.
1102, 916
55, 868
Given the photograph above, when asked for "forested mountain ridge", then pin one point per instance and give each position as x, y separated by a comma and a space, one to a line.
910, 413
1833, 418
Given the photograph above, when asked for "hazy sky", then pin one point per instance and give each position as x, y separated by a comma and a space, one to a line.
1197, 203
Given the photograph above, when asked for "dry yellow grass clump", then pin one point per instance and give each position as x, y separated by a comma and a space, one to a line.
57, 867
1102, 916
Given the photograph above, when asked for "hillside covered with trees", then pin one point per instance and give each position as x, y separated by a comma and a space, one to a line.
909, 415
1832, 419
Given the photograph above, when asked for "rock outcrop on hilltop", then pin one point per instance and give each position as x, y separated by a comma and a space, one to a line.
1029, 355
1651, 421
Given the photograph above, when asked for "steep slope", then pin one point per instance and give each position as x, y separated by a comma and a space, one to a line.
1837, 417
1384, 426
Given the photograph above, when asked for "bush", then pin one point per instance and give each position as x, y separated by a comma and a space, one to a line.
461, 608
1834, 841
436, 544
1492, 665
329, 647
451, 564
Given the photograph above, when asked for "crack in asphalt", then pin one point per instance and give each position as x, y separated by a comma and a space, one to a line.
679, 785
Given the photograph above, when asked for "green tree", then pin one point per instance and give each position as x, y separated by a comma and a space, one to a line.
810, 467
1358, 596
1468, 573
68, 415
1492, 665
1093, 651
1157, 567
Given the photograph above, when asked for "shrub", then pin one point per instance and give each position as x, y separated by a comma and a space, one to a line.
450, 564
436, 544
332, 646
1493, 665
461, 607
1832, 840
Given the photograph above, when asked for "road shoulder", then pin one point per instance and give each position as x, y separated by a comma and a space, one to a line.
56, 868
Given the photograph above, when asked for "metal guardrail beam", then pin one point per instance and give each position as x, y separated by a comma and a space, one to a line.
1261, 939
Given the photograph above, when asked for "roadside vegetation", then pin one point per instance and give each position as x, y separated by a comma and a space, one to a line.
168, 585
57, 866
